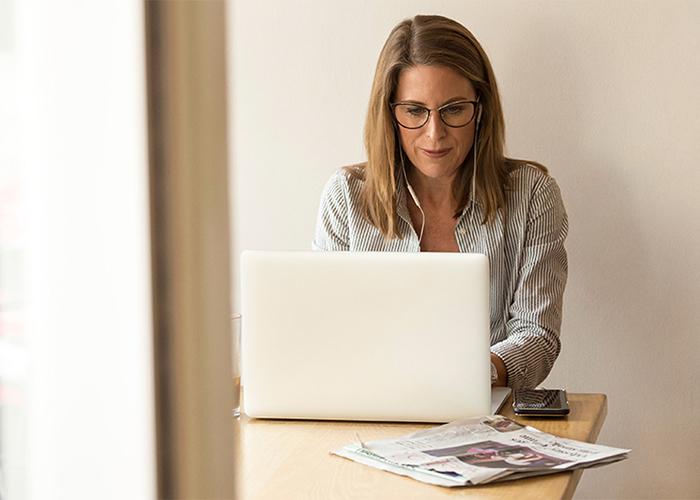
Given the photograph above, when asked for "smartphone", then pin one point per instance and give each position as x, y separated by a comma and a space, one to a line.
540, 403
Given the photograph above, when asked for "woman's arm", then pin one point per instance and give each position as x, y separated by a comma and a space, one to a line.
534, 316
332, 230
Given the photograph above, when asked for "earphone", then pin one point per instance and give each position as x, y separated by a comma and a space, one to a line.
415, 199
472, 198
410, 190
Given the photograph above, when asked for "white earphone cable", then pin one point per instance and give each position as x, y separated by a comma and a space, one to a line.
472, 191
415, 199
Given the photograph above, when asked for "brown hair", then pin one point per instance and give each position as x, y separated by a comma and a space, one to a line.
432, 41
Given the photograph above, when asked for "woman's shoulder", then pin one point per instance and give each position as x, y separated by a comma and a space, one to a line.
353, 173
347, 178
529, 177
522, 171
531, 185
345, 183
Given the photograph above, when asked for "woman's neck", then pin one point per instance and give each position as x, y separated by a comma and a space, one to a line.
431, 192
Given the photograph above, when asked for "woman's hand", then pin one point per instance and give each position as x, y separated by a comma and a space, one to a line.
502, 379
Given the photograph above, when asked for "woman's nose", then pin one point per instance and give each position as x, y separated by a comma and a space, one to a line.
435, 128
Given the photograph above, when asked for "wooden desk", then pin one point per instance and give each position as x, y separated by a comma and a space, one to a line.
283, 459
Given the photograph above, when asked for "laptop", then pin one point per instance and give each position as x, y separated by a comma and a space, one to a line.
374, 336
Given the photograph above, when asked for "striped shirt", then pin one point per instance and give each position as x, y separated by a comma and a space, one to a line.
528, 264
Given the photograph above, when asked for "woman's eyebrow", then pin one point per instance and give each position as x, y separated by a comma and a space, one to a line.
412, 101
449, 101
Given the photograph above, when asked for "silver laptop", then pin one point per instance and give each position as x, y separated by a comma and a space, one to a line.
365, 335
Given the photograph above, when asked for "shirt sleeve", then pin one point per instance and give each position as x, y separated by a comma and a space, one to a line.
332, 228
532, 341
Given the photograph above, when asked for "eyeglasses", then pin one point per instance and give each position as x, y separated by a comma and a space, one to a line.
455, 114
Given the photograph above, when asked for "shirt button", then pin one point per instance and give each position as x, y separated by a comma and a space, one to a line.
462, 231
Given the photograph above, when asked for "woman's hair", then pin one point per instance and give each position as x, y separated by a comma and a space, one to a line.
431, 41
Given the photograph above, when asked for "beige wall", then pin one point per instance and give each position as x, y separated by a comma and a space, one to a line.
605, 93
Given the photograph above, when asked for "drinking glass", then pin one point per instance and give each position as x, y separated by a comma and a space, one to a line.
236, 320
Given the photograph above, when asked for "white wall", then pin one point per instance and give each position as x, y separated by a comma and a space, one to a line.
605, 93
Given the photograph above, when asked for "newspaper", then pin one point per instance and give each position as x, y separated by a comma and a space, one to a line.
479, 450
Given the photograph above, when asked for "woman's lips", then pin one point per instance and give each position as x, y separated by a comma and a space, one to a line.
435, 153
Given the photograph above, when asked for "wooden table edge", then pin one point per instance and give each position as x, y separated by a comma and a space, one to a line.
574, 476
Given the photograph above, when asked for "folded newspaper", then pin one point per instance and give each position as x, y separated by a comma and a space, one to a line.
479, 450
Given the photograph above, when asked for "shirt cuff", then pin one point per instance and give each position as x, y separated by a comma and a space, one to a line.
516, 369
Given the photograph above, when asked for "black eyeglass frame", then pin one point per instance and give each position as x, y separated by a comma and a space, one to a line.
439, 110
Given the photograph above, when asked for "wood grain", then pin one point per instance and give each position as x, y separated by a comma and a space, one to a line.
290, 459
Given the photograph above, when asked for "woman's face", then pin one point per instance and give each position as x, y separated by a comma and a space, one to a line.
435, 150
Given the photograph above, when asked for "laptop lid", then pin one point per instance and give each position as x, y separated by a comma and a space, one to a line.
365, 335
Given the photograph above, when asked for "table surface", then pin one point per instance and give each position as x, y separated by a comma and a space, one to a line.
290, 459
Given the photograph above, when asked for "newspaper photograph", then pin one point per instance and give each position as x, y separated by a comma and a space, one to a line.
479, 450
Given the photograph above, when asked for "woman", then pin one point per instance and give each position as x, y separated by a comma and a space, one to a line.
437, 180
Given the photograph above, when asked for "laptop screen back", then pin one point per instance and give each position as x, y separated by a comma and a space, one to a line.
365, 336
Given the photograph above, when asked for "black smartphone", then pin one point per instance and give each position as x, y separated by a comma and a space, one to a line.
540, 403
